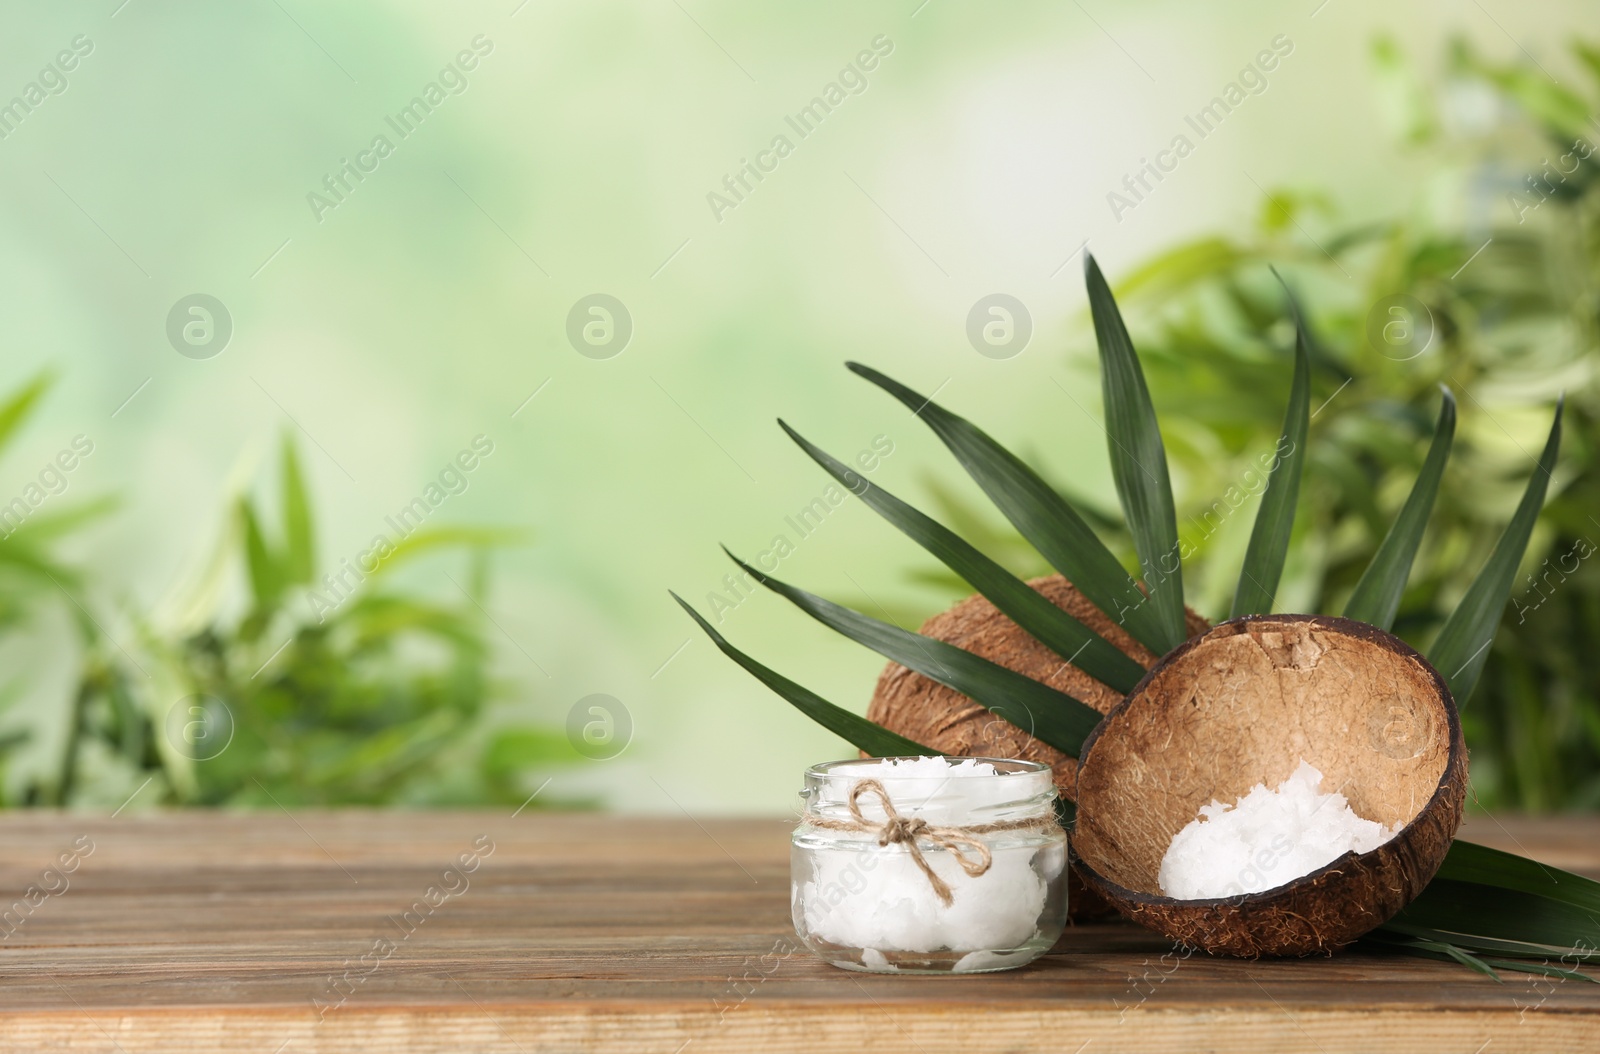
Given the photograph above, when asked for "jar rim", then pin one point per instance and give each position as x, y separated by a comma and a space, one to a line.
1013, 767
1020, 789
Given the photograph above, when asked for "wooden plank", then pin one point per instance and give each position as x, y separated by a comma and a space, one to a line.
209, 931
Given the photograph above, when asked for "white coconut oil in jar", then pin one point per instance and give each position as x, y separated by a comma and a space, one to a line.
929, 864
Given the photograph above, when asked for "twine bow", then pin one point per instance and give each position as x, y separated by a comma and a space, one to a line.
905, 830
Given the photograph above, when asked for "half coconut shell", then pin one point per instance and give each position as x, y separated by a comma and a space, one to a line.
1241, 705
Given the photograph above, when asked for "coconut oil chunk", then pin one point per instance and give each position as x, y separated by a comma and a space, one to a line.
1270, 838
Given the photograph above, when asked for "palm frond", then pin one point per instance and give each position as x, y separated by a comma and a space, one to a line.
855, 730
1471, 862
1497, 912
1050, 716
1138, 459
1025, 606
1269, 538
1042, 516
1377, 596
1462, 646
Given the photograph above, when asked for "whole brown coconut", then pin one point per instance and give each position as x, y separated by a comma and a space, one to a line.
1241, 705
926, 711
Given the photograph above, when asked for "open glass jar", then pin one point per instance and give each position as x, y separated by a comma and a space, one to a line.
929, 865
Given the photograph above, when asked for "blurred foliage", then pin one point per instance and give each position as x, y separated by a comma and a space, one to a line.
33, 578
380, 700
30, 572
1501, 253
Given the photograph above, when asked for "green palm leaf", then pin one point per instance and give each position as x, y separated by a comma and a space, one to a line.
1495, 912
1025, 606
1438, 944
1452, 950
1471, 862
853, 729
1542, 968
1473, 942
1138, 459
1049, 523
1269, 539
1462, 646
1048, 715
1377, 595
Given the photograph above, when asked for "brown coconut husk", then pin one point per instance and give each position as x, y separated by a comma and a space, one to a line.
1241, 705
926, 711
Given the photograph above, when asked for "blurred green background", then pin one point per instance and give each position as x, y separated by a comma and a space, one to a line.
165, 629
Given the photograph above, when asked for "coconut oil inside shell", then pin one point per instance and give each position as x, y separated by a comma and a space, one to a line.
1269, 838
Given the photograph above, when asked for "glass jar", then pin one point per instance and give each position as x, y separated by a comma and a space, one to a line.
942, 865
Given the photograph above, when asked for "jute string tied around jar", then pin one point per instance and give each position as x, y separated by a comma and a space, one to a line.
969, 851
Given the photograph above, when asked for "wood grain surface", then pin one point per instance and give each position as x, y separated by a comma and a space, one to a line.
193, 931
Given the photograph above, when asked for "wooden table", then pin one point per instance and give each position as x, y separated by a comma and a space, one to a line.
193, 931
